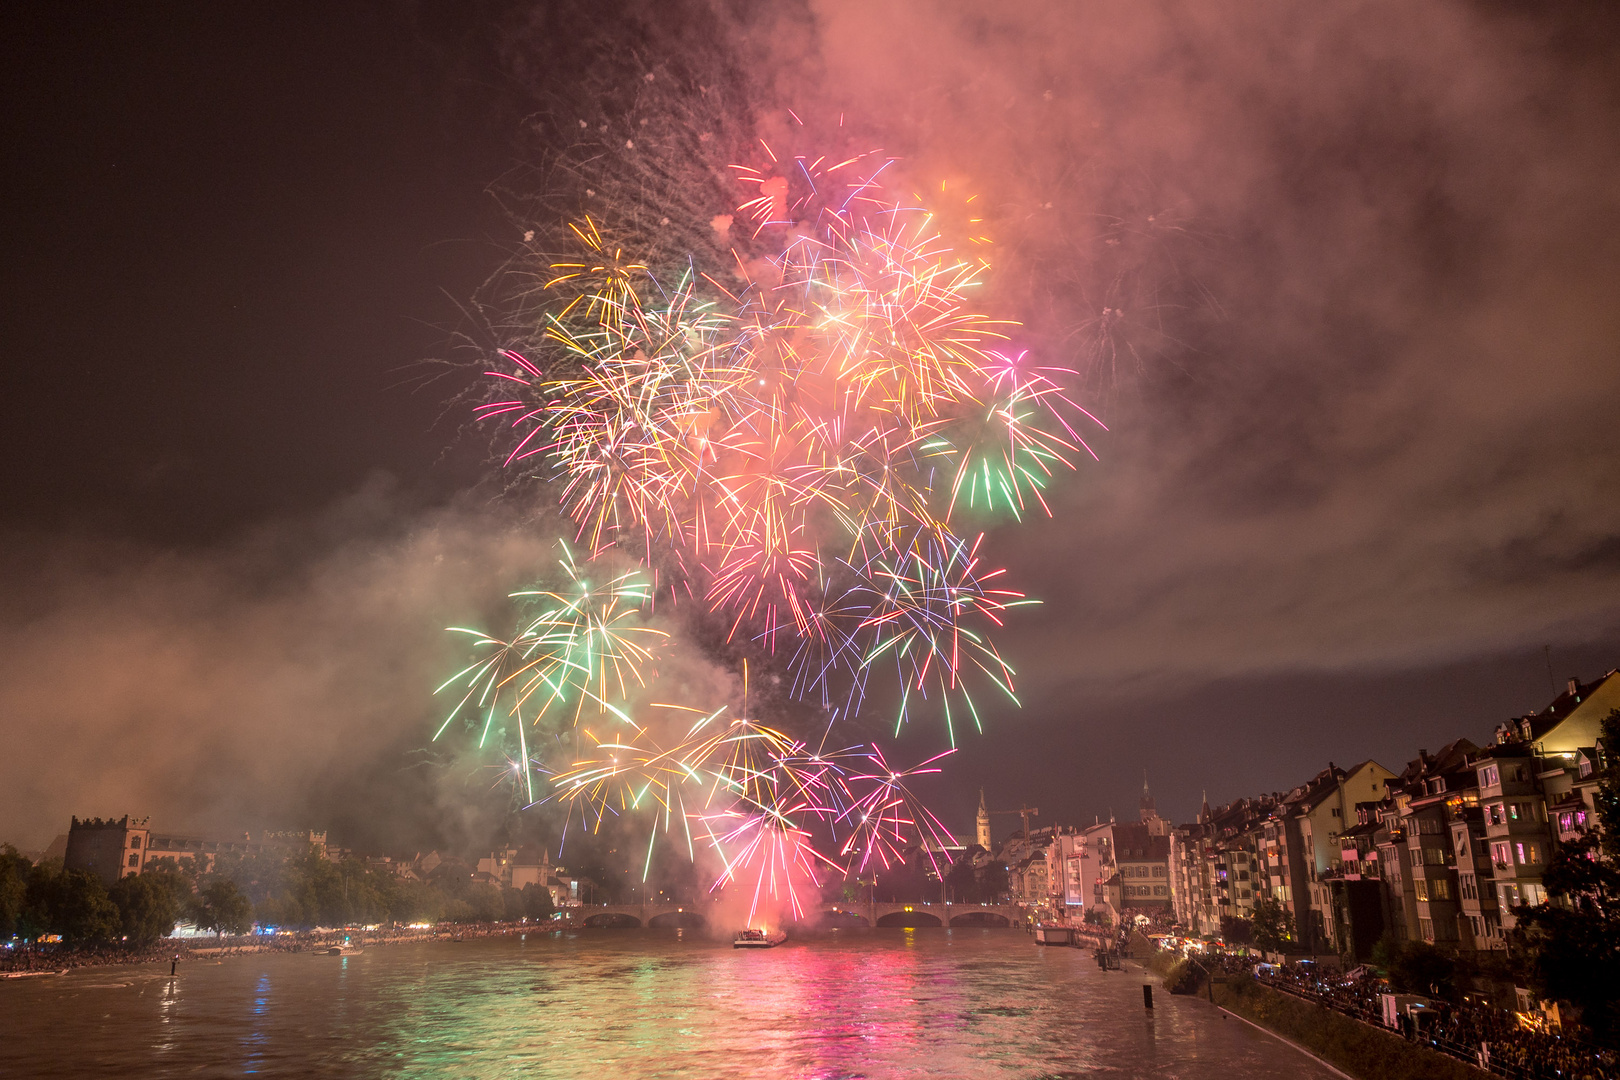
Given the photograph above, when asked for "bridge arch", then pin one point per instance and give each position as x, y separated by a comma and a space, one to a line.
910, 918
980, 918
611, 920
691, 920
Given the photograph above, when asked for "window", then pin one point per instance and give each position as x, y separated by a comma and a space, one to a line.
1428, 825
1495, 815
1434, 856
1160, 890
1529, 853
1439, 889
1426, 928
135, 842
134, 859
1513, 811
1488, 776
1502, 853
1421, 886
1532, 893
1508, 895
1462, 845
1158, 871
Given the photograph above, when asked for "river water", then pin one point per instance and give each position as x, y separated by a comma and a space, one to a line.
627, 1004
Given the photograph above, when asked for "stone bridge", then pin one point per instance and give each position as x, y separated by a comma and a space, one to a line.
845, 913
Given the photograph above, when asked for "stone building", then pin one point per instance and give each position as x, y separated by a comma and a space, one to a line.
107, 848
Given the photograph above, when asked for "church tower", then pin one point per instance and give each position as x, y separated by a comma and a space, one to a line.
983, 823
1157, 826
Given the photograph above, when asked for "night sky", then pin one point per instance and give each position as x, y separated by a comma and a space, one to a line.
1358, 495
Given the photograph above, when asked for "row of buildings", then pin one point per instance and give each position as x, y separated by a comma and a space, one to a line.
1442, 851
1116, 867
113, 848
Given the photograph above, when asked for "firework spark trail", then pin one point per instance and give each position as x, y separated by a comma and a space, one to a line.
888, 819
582, 648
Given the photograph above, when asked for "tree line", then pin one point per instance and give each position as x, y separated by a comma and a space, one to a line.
299, 890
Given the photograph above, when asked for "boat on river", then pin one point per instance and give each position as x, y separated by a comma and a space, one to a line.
1053, 935
758, 939
343, 950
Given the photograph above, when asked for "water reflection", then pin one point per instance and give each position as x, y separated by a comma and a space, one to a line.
628, 1004
255, 1040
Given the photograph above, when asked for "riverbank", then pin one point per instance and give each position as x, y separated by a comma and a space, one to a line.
1359, 1049
38, 960
1363, 1051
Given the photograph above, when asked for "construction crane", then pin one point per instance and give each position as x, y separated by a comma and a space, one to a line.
1023, 812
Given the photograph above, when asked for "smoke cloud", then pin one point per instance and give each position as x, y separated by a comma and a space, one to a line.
1365, 422
280, 681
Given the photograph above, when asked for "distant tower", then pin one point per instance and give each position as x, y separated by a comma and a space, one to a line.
1157, 826
983, 822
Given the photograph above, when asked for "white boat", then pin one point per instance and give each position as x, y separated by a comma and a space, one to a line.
342, 950
758, 939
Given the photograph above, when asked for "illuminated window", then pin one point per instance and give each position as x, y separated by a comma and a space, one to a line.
1440, 889
1421, 887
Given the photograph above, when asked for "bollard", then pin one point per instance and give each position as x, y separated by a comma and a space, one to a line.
1147, 995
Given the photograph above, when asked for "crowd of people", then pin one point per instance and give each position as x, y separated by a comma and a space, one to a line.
1489, 1037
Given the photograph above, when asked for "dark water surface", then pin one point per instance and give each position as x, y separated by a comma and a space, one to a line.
629, 1004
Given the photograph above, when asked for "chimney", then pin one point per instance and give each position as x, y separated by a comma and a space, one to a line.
1575, 688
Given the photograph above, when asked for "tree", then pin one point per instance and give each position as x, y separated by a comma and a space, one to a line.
974, 879
536, 901
147, 906
1273, 925
13, 889
222, 908
487, 903
1569, 945
73, 903
1415, 967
